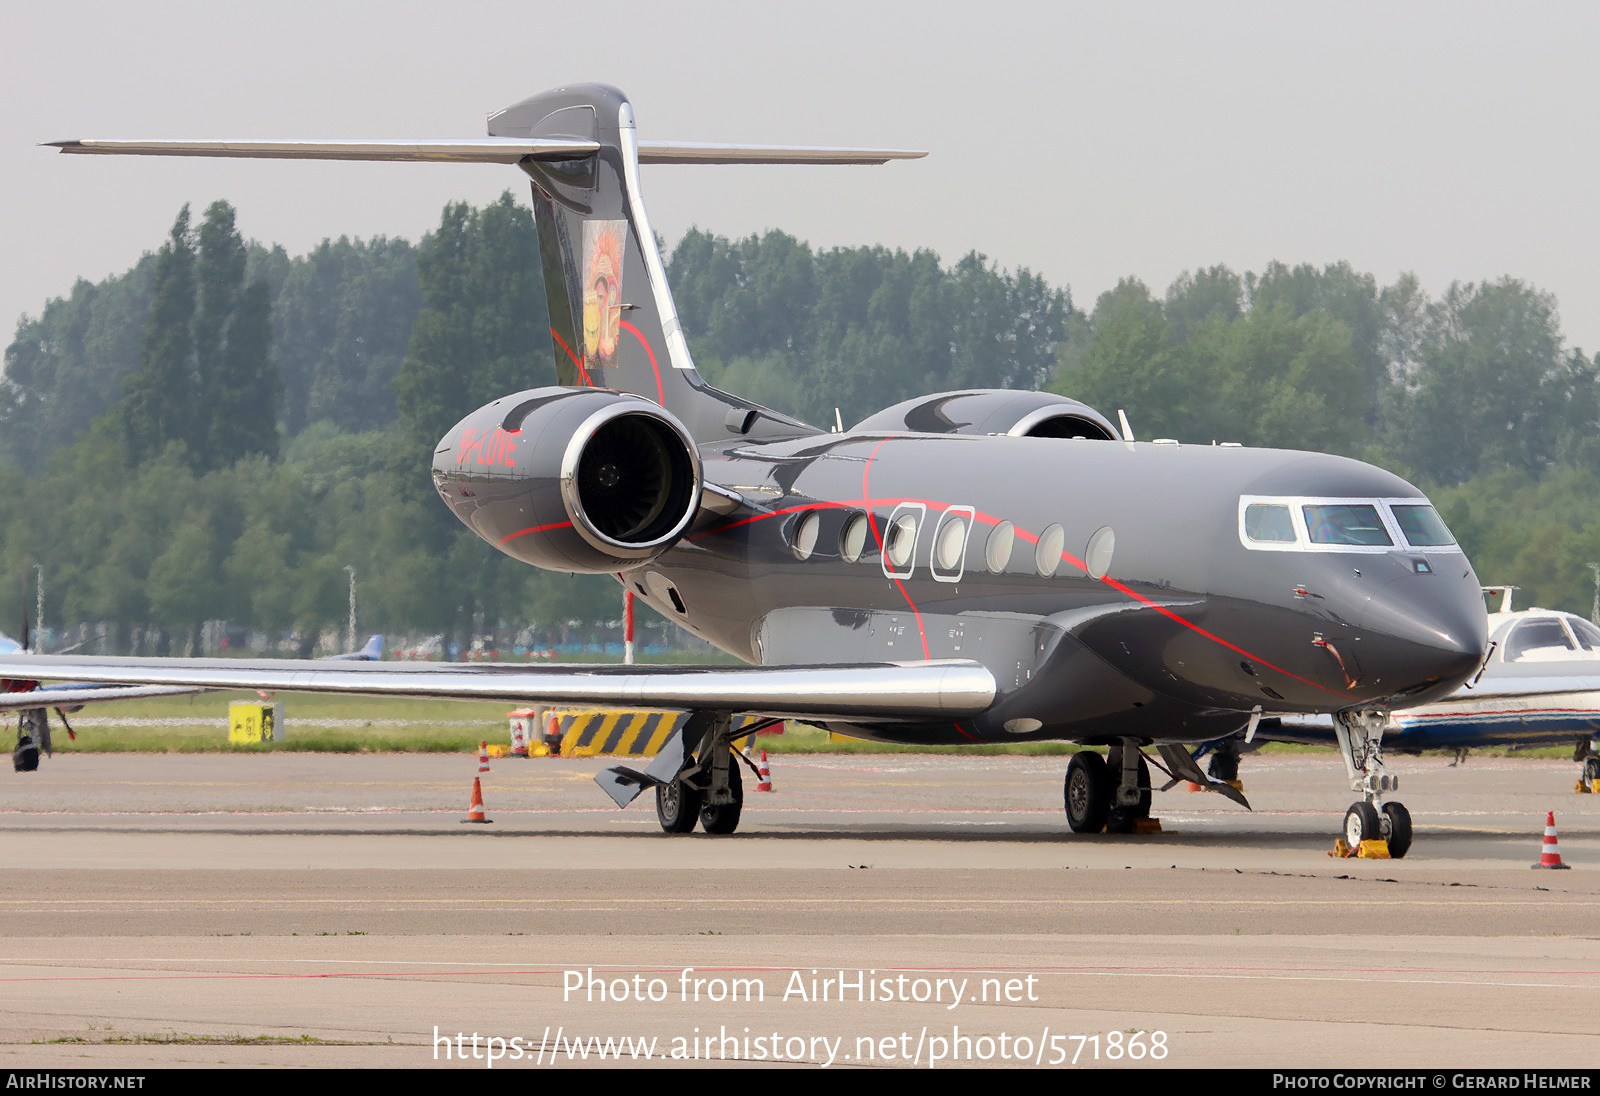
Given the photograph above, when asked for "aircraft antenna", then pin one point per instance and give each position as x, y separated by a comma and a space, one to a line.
1122, 420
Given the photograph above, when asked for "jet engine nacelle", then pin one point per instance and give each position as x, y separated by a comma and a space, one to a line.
993, 411
572, 479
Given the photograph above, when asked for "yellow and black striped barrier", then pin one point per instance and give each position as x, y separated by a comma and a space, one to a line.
619, 732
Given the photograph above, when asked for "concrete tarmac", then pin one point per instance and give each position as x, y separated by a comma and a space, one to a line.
317, 910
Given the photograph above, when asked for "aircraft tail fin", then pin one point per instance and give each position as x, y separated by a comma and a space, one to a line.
613, 323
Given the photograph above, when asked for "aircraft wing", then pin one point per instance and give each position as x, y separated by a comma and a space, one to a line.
890, 690
75, 696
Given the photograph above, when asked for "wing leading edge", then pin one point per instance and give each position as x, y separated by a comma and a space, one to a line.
913, 690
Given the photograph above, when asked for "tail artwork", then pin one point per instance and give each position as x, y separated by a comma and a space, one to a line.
612, 321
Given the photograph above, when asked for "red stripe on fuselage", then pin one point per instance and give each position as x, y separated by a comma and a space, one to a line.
535, 529
582, 372
661, 392
873, 522
867, 502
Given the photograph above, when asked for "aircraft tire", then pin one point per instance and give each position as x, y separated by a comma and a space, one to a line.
1397, 821
724, 817
1361, 823
25, 758
1121, 819
1086, 793
678, 806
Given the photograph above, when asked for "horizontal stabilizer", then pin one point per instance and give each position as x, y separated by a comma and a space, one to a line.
471, 150
691, 152
484, 150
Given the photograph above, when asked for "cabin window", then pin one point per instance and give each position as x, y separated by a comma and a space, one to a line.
1098, 552
1047, 556
853, 537
950, 543
900, 539
997, 552
804, 541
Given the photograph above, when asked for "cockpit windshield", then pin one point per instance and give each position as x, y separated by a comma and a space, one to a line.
1276, 524
1349, 523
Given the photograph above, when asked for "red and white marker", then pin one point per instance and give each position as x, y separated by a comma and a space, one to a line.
483, 756
765, 783
475, 812
627, 627
1550, 856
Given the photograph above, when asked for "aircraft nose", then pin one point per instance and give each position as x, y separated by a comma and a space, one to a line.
1432, 635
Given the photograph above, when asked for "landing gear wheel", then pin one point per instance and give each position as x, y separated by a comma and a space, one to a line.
1591, 772
678, 806
1087, 793
1121, 819
724, 817
25, 758
1361, 824
1396, 828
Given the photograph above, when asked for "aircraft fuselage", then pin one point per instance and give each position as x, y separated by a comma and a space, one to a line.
1144, 613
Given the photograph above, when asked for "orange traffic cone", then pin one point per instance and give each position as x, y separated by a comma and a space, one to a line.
552, 736
1550, 856
765, 773
475, 812
483, 756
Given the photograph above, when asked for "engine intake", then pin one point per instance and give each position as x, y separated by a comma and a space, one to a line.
572, 479
1021, 414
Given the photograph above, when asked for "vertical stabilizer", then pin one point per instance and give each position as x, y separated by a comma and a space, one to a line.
612, 320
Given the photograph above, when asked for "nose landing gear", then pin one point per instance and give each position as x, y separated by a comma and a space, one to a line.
1360, 734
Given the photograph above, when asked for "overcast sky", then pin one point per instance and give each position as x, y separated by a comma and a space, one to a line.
1087, 142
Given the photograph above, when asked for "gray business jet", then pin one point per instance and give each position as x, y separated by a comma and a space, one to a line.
969, 567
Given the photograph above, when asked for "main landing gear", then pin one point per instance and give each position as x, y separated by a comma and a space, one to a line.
33, 731
1110, 794
708, 789
1360, 734
1588, 752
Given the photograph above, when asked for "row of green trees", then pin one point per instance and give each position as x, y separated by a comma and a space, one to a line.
223, 429
1443, 390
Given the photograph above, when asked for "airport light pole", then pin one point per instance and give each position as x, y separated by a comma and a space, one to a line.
38, 606
350, 637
